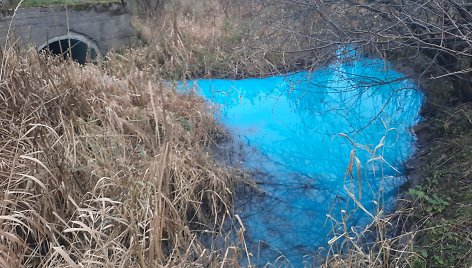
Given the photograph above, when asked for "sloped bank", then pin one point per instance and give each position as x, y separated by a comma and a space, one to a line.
100, 169
438, 195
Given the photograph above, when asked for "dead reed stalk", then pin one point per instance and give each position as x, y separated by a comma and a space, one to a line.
97, 171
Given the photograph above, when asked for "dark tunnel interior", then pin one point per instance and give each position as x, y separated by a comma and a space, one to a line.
76, 49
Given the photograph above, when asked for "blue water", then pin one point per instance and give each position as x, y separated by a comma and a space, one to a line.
298, 133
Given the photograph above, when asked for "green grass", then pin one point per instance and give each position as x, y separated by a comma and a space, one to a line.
445, 195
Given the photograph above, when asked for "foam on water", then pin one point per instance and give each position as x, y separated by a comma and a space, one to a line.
300, 132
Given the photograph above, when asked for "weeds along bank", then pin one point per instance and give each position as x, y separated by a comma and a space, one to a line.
235, 38
105, 165
96, 169
224, 39
99, 165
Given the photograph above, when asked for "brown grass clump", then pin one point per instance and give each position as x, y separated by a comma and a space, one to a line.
97, 171
224, 38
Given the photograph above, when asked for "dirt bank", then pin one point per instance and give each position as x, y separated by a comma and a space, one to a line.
438, 195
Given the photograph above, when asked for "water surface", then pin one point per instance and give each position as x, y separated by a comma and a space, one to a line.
317, 141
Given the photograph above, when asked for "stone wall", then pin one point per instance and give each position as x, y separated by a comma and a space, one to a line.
108, 25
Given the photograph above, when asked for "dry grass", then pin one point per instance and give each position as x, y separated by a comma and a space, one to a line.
212, 38
97, 171
231, 39
106, 166
388, 240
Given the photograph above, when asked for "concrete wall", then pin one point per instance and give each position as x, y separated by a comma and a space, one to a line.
108, 25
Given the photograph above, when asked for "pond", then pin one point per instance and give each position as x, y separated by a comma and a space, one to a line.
325, 147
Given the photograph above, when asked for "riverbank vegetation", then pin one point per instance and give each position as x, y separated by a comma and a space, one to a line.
99, 169
105, 164
430, 42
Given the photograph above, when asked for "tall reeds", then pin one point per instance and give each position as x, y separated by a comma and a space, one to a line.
100, 171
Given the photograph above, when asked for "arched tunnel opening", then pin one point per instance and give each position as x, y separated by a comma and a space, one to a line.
78, 50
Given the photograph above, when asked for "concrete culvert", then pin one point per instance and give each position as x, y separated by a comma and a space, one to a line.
78, 47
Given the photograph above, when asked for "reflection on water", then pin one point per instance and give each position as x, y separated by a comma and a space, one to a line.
299, 132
